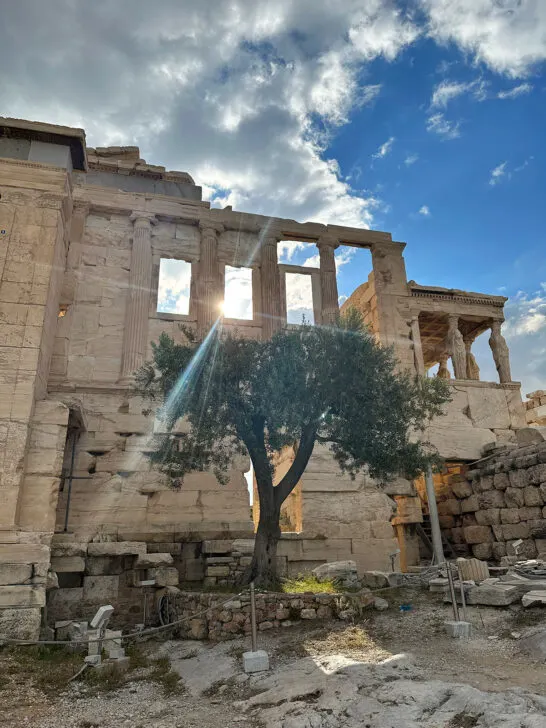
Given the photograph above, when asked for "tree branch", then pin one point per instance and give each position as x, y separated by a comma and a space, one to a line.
292, 477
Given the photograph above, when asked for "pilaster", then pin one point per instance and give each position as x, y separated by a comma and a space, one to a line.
271, 288
209, 293
328, 281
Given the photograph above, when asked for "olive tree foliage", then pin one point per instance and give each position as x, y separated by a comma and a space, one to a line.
328, 384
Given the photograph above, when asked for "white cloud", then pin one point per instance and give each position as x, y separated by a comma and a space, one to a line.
286, 249
523, 88
174, 286
384, 149
411, 159
525, 331
498, 173
446, 91
299, 298
238, 293
438, 124
507, 35
425, 211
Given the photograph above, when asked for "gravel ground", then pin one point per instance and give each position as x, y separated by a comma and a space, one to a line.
212, 683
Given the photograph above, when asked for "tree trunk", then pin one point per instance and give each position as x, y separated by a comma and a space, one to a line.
263, 570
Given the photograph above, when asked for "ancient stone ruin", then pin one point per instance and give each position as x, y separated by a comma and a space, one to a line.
88, 237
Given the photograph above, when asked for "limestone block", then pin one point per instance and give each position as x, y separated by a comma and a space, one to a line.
488, 408
100, 588
450, 507
399, 486
484, 483
537, 474
494, 595
166, 575
532, 496
462, 489
473, 569
514, 497
23, 553
64, 564
21, 596
499, 550
374, 579
515, 530
246, 546
382, 529
117, 548
526, 550
21, 624
458, 441
501, 481
530, 513
220, 547
104, 565
489, 517
528, 436
157, 559
15, 574
477, 534
471, 504
518, 478
491, 499
482, 550
509, 515
217, 571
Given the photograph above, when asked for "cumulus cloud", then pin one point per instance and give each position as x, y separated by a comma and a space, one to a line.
384, 149
425, 211
507, 35
174, 286
523, 88
498, 173
242, 94
411, 159
438, 124
525, 331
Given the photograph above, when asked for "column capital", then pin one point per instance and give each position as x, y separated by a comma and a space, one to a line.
146, 217
325, 242
212, 226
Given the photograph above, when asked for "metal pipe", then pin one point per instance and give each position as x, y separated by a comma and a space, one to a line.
452, 592
463, 597
254, 634
437, 546
70, 476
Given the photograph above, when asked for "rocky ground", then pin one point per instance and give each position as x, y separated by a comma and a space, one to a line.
393, 669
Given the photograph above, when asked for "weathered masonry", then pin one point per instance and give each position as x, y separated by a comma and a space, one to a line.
88, 239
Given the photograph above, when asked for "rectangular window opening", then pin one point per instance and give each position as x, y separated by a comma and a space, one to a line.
238, 293
299, 299
173, 290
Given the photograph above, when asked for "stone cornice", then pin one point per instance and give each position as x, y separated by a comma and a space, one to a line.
484, 300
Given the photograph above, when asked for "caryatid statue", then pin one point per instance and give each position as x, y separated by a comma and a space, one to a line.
443, 371
472, 368
500, 351
456, 347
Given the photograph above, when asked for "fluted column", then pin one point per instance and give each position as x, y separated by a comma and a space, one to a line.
500, 351
271, 288
456, 348
135, 334
328, 280
208, 288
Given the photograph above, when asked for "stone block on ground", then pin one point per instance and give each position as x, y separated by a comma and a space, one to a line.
342, 572
495, 595
255, 661
459, 629
473, 570
374, 579
534, 598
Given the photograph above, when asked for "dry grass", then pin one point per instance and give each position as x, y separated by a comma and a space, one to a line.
352, 641
308, 584
48, 667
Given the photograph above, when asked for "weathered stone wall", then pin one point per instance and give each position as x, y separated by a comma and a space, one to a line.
535, 408
223, 621
500, 500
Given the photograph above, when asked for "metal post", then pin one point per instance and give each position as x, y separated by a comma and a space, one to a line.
437, 546
253, 617
70, 476
463, 597
452, 592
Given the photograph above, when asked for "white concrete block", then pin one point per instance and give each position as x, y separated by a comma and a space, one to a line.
255, 661
459, 629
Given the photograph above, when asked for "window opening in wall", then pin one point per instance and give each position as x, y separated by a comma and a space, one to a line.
483, 358
299, 299
297, 252
173, 290
238, 293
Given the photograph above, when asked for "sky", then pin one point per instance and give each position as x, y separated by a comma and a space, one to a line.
424, 118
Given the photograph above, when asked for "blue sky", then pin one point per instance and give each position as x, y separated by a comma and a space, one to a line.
424, 118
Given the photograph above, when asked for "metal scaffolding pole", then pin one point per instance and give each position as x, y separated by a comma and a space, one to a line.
437, 546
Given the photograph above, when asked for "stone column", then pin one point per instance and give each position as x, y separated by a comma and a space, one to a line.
271, 288
472, 368
456, 348
135, 333
208, 289
500, 351
417, 346
328, 281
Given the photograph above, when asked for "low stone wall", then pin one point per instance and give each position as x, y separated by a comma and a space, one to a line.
500, 500
225, 621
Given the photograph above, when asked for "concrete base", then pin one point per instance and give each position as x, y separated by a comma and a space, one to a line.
255, 661
459, 629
